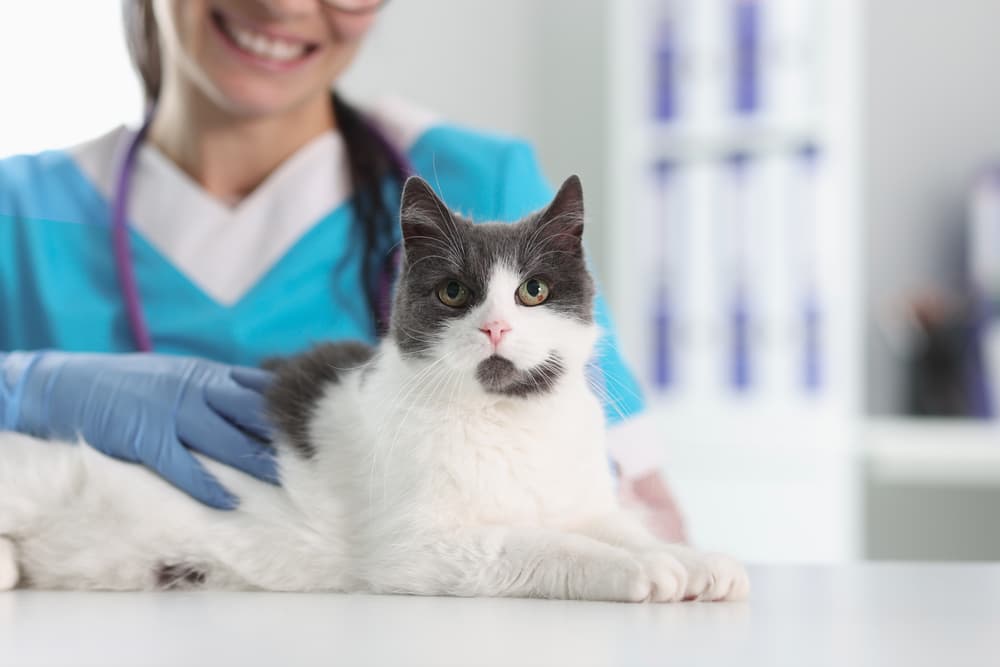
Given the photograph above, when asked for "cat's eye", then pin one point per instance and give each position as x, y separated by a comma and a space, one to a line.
453, 293
533, 292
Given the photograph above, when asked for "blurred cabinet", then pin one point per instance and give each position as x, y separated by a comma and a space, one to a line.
735, 260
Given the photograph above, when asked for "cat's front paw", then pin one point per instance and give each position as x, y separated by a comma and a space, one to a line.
668, 576
711, 576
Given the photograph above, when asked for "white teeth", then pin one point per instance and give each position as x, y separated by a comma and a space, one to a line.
265, 47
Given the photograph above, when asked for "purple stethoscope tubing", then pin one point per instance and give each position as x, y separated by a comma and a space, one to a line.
119, 233
122, 252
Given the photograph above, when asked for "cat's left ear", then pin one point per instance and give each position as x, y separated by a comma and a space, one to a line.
560, 224
422, 215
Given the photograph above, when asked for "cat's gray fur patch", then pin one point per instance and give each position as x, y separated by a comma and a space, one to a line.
300, 382
174, 576
500, 376
441, 245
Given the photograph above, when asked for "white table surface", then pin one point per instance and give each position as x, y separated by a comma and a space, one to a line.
873, 614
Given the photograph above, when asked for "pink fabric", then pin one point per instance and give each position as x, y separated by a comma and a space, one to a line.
650, 495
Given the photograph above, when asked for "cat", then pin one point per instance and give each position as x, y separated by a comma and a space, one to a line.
464, 455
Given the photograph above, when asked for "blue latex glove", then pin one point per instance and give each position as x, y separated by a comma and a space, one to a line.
145, 408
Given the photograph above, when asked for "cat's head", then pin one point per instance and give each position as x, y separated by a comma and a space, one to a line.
509, 306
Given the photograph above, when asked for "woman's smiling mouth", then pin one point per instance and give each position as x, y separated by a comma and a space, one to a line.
264, 48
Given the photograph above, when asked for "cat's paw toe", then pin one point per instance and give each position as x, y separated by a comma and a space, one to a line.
728, 579
700, 582
622, 580
631, 583
668, 576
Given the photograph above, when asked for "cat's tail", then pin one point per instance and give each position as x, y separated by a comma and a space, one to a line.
34, 475
9, 574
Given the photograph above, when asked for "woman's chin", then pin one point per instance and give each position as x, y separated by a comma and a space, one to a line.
256, 98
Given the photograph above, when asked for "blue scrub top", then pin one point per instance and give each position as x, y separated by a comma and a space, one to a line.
270, 276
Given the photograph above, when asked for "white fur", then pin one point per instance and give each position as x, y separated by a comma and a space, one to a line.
422, 483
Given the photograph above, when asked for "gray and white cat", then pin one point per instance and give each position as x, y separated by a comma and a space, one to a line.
464, 455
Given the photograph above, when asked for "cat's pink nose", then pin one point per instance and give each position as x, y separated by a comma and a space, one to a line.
495, 330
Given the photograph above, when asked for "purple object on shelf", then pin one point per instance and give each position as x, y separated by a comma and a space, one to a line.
665, 72
812, 376
740, 370
746, 55
808, 153
812, 350
663, 371
738, 160
739, 322
663, 368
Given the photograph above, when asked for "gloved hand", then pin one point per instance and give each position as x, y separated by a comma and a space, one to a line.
145, 408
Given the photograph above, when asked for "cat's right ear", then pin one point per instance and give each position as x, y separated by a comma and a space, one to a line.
422, 214
560, 224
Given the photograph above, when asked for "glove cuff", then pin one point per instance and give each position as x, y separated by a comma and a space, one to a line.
15, 369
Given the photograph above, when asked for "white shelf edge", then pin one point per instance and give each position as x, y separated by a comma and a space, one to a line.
944, 452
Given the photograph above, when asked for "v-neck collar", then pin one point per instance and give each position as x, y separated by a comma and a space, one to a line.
226, 250
327, 146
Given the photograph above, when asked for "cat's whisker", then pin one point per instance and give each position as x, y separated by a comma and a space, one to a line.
443, 213
548, 221
452, 224
446, 260
456, 386
622, 386
395, 438
434, 240
403, 387
606, 398
419, 335
547, 253
424, 374
410, 385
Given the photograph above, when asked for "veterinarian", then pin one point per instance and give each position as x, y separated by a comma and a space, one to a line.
145, 273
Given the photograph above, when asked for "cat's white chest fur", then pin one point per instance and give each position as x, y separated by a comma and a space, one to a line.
530, 464
459, 457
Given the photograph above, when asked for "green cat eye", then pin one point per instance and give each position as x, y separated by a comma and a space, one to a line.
533, 292
453, 293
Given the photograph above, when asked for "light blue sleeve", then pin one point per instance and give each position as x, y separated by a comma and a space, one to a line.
523, 189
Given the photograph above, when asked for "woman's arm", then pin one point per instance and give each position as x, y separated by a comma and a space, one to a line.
145, 408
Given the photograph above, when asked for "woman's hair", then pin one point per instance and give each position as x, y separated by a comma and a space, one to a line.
373, 162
